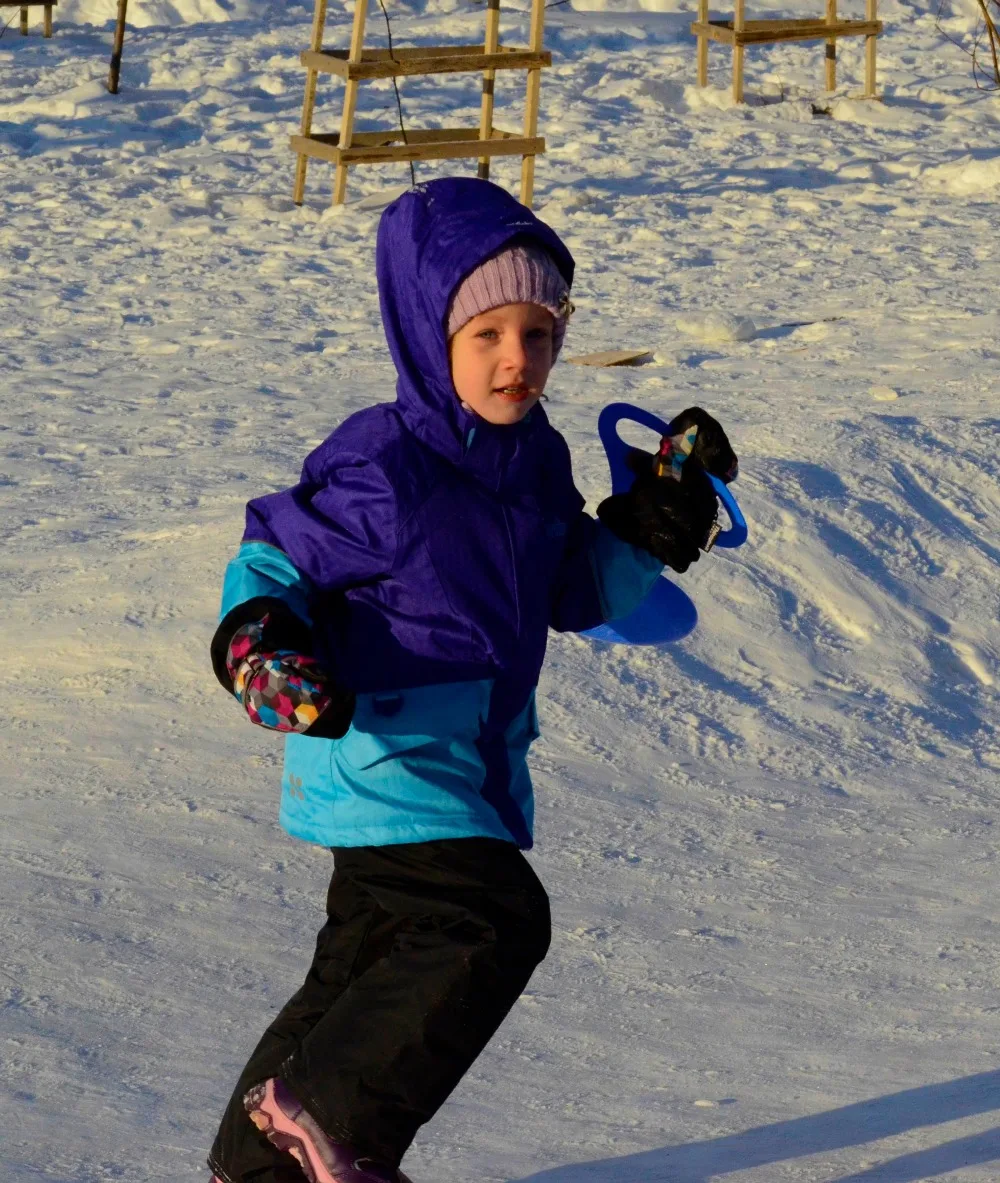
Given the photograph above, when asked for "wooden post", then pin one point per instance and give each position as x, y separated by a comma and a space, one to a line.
531, 101
309, 102
350, 99
871, 13
47, 27
738, 26
831, 47
702, 44
491, 45
24, 22
116, 52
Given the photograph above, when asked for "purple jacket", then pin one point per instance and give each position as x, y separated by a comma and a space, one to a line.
457, 544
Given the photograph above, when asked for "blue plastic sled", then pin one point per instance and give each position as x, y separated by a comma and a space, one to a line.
667, 613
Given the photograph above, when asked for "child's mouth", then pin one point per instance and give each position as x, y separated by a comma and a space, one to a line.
513, 394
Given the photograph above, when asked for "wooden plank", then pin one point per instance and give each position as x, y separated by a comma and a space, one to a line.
738, 26
47, 21
817, 33
425, 135
531, 102
772, 32
871, 12
346, 128
831, 47
402, 53
777, 25
490, 46
702, 44
612, 357
309, 102
447, 150
350, 101
420, 147
398, 66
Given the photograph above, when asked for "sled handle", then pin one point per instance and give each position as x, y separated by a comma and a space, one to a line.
622, 476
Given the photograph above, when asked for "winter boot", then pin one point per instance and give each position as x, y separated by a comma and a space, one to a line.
275, 1111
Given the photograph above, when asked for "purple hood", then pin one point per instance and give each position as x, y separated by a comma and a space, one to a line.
428, 241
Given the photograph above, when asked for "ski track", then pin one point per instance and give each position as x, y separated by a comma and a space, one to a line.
771, 849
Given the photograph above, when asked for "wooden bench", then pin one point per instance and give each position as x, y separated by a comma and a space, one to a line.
740, 32
24, 5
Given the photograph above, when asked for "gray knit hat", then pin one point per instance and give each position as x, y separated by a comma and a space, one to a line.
519, 274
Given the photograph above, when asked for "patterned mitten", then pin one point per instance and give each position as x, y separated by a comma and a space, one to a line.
279, 689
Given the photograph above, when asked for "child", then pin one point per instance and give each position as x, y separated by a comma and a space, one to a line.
390, 612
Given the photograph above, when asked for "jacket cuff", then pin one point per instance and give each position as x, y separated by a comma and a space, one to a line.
285, 630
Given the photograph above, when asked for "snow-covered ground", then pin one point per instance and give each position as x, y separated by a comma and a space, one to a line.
772, 849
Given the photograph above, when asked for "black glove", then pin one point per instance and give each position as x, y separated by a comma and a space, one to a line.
712, 448
669, 518
671, 508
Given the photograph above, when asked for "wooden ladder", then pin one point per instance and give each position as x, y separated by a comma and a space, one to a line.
740, 32
348, 147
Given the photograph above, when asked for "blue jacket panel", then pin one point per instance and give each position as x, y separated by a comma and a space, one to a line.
408, 770
418, 764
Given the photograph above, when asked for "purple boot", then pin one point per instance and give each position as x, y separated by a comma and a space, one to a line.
275, 1111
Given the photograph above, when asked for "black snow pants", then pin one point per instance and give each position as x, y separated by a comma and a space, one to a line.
426, 948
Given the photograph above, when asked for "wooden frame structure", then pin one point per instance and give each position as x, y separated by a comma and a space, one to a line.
24, 5
739, 32
356, 65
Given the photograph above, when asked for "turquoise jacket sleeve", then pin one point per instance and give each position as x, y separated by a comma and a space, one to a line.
260, 570
602, 578
624, 574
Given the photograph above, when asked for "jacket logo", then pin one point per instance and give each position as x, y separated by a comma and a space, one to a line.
388, 706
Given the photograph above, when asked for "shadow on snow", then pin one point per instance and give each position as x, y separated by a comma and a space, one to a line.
837, 1129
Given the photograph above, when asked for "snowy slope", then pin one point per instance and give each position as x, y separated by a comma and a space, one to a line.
771, 849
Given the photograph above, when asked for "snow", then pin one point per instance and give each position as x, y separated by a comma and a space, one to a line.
771, 849
966, 177
717, 327
175, 13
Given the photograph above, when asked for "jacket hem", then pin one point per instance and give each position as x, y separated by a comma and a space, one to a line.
456, 826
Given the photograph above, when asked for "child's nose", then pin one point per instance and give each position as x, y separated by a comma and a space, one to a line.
517, 353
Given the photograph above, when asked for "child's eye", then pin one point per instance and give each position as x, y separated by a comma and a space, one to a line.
487, 334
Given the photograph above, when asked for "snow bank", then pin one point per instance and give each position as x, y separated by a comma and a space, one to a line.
146, 13
717, 326
966, 177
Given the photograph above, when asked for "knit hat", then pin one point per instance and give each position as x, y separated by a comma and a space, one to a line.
519, 274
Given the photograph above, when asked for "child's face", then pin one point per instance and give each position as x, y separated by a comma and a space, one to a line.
500, 361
